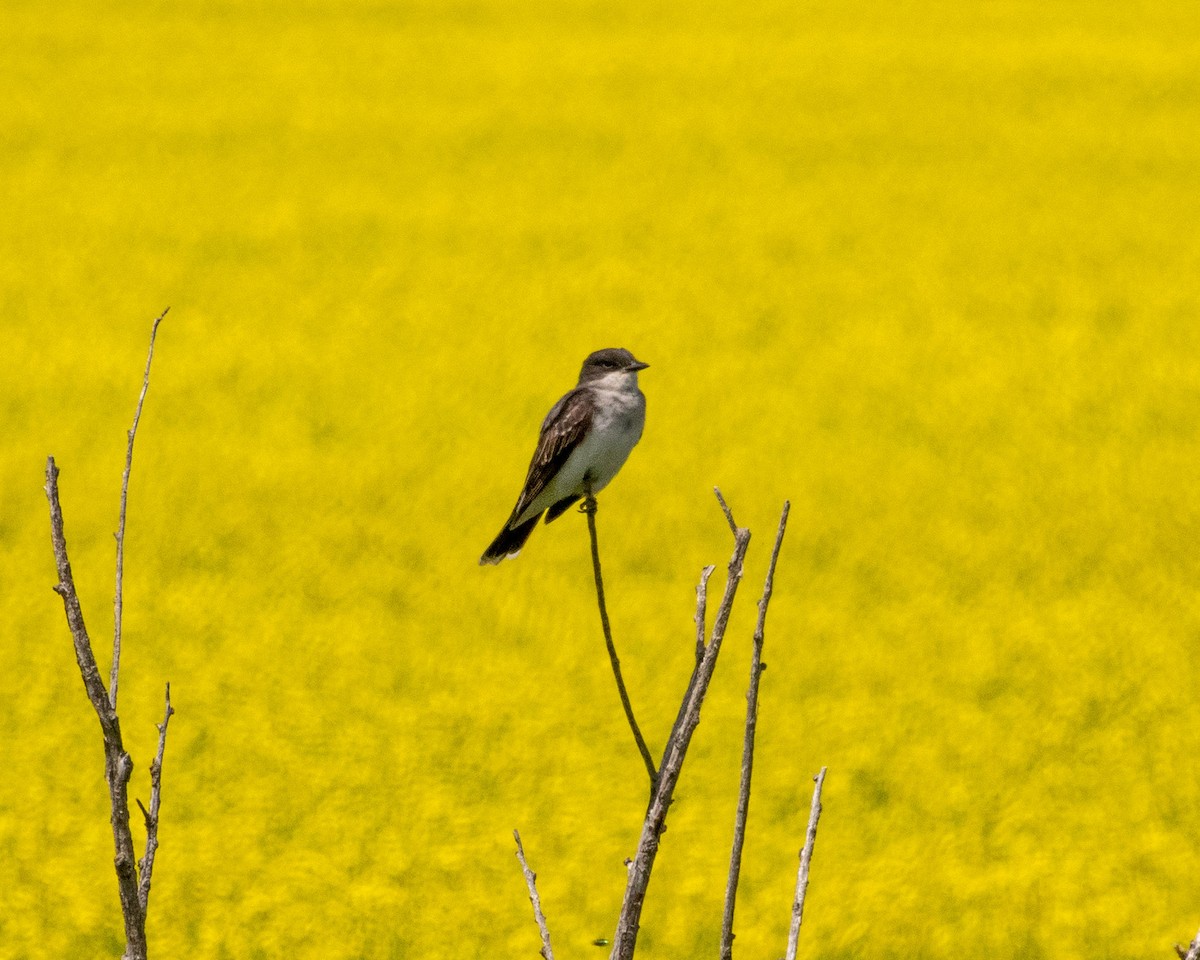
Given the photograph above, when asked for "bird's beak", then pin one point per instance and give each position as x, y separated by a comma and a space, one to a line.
638, 365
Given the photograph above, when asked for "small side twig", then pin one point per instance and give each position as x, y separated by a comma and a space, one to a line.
642, 864
1192, 952
743, 805
725, 509
531, 883
118, 602
146, 864
589, 507
805, 862
118, 766
701, 610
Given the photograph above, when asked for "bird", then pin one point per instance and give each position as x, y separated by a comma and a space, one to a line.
585, 439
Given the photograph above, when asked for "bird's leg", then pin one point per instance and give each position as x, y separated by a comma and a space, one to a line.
589, 501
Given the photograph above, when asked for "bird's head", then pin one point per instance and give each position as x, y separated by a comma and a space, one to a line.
614, 362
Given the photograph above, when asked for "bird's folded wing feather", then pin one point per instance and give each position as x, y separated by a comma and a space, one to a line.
562, 430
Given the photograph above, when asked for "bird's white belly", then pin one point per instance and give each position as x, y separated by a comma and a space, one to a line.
597, 458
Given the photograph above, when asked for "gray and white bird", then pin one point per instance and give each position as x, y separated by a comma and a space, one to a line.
586, 438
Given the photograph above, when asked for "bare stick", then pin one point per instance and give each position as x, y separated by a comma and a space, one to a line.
531, 883
589, 507
725, 509
805, 862
701, 610
642, 864
120, 534
117, 764
701, 628
743, 805
146, 864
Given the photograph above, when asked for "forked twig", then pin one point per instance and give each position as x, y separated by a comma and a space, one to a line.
589, 507
810, 840
117, 764
531, 883
146, 864
743, 805
134, 892
642, 864
118, 602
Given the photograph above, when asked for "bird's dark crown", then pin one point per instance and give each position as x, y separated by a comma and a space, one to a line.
603, 362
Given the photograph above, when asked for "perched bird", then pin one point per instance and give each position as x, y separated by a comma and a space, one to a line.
585, 439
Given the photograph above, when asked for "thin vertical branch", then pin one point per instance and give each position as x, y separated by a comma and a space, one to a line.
725, 509
701, 628
589, 507
120, 534
805, 862
118, 767
117, 764
538, 916
642, 864
701, 610
743, 805
146, 864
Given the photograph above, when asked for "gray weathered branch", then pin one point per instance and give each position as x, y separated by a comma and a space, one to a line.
702, 611
531, 883
674, 754
134, 893
146, 864
805, 862
743, 805
117, 764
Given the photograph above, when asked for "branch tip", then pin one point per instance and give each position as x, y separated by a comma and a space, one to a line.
118, 601
806, 853
725, 509
628, 923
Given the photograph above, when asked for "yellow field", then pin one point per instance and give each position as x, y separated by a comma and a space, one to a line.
926, 268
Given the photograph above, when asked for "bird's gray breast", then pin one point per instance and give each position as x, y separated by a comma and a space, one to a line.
620, 417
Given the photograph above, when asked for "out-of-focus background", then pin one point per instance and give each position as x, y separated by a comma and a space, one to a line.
926, 269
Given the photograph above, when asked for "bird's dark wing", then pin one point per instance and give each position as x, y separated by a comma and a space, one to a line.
562, 430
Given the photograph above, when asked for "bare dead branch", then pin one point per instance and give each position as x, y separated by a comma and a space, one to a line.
725, 509
117, 764
805, 862
701, 628
146, 864
743, 805
120, 534
589, 507
702, 610
673, 756
538, 916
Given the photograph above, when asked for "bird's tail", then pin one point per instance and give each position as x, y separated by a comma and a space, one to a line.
509, 542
